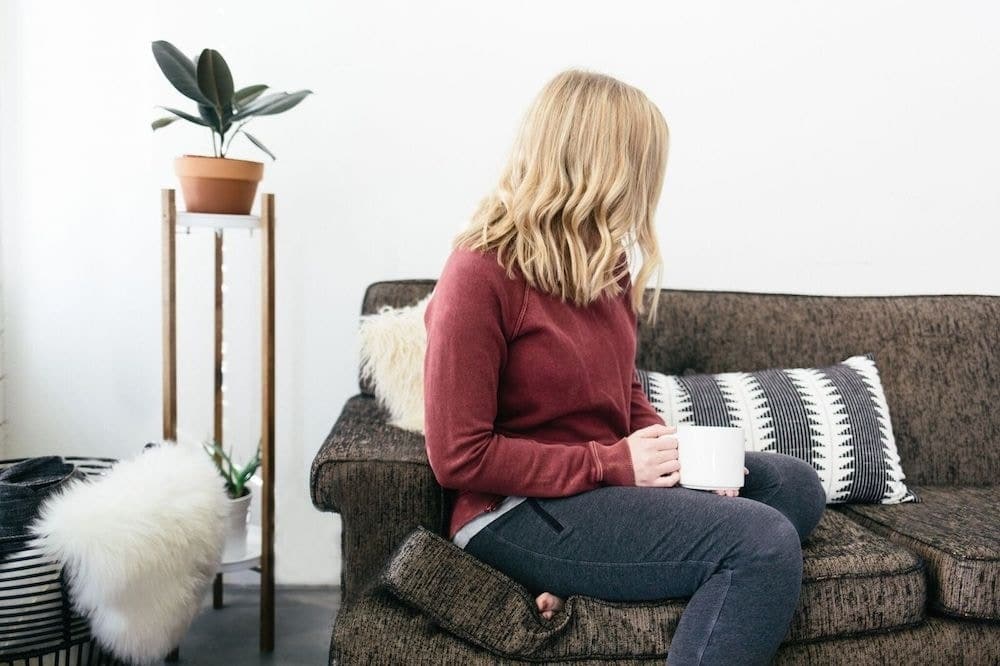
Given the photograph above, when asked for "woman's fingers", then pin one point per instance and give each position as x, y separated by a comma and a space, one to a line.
656, 429
668, 481
731, 492
669, 466
667, 454
670, 476
666, 442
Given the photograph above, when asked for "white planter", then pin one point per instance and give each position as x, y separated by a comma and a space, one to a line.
236, 528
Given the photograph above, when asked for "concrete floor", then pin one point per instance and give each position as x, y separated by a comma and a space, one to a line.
229, 636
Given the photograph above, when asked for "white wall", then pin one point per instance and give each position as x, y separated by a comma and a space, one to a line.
8, 50
841, 148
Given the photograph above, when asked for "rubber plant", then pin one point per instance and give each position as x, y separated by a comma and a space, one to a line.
218, 184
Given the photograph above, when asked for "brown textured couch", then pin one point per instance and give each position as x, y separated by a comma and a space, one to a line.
910, 583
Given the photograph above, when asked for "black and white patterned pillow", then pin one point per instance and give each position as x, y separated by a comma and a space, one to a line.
834, 418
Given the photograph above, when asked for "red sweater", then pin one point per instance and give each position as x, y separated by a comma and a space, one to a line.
523, 394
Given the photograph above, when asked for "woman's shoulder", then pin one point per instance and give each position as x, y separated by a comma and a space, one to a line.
473, 282
477, 265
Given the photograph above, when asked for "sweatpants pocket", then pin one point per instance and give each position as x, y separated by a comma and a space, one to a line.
544, 515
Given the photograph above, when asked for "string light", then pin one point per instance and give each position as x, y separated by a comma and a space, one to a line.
222, 360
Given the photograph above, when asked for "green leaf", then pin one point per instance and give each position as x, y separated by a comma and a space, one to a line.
251, 467
216, 454
248, 94
215, 80
217, 450
163, 122
179, 70
186, 116
209, 115
247, 472
272, 104
236, 479
257, 143
251, 108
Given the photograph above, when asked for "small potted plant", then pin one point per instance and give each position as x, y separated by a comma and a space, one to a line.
239, 497
218, 184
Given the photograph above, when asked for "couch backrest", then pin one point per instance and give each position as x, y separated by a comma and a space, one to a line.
938, 356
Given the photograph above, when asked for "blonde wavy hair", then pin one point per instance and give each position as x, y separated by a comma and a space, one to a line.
580, 188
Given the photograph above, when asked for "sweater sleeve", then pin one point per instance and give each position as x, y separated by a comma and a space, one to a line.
468, 321
642, 412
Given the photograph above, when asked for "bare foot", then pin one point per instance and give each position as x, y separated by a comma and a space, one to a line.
548, 603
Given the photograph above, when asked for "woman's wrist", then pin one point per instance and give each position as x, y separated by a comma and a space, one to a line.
614, 463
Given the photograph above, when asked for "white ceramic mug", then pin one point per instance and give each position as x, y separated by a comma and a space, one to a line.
711, 457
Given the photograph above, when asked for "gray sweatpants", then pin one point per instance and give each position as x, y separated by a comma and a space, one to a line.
738, 559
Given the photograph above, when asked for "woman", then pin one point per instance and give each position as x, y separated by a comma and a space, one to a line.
566, 475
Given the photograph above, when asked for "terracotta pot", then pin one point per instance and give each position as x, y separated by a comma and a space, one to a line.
218, 184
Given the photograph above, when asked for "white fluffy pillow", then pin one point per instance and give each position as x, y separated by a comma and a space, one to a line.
393, 346
140, 545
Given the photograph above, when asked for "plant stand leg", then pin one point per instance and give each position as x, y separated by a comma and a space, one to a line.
217, 395
168, 210
217, 592
169, 319
267, 252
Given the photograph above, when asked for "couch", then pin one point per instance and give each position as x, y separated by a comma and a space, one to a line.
913, 583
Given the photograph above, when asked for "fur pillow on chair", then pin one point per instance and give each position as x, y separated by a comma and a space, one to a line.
393, 346
140, 546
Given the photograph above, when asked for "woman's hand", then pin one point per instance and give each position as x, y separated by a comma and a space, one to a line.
730, 492
654, 456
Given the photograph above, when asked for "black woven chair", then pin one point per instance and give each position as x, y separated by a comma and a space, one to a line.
37, 624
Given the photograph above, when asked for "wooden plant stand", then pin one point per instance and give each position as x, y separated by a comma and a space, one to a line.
260, 559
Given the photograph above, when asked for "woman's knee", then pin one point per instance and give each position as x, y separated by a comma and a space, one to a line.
809, 489
803, 489
765, 536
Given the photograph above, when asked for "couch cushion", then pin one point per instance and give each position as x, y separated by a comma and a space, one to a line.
854, 581
957, 532
382, 629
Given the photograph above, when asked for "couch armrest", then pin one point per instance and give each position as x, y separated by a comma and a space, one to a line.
376, 476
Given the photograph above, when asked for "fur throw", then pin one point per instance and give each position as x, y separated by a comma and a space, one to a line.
393, 346
140, 545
